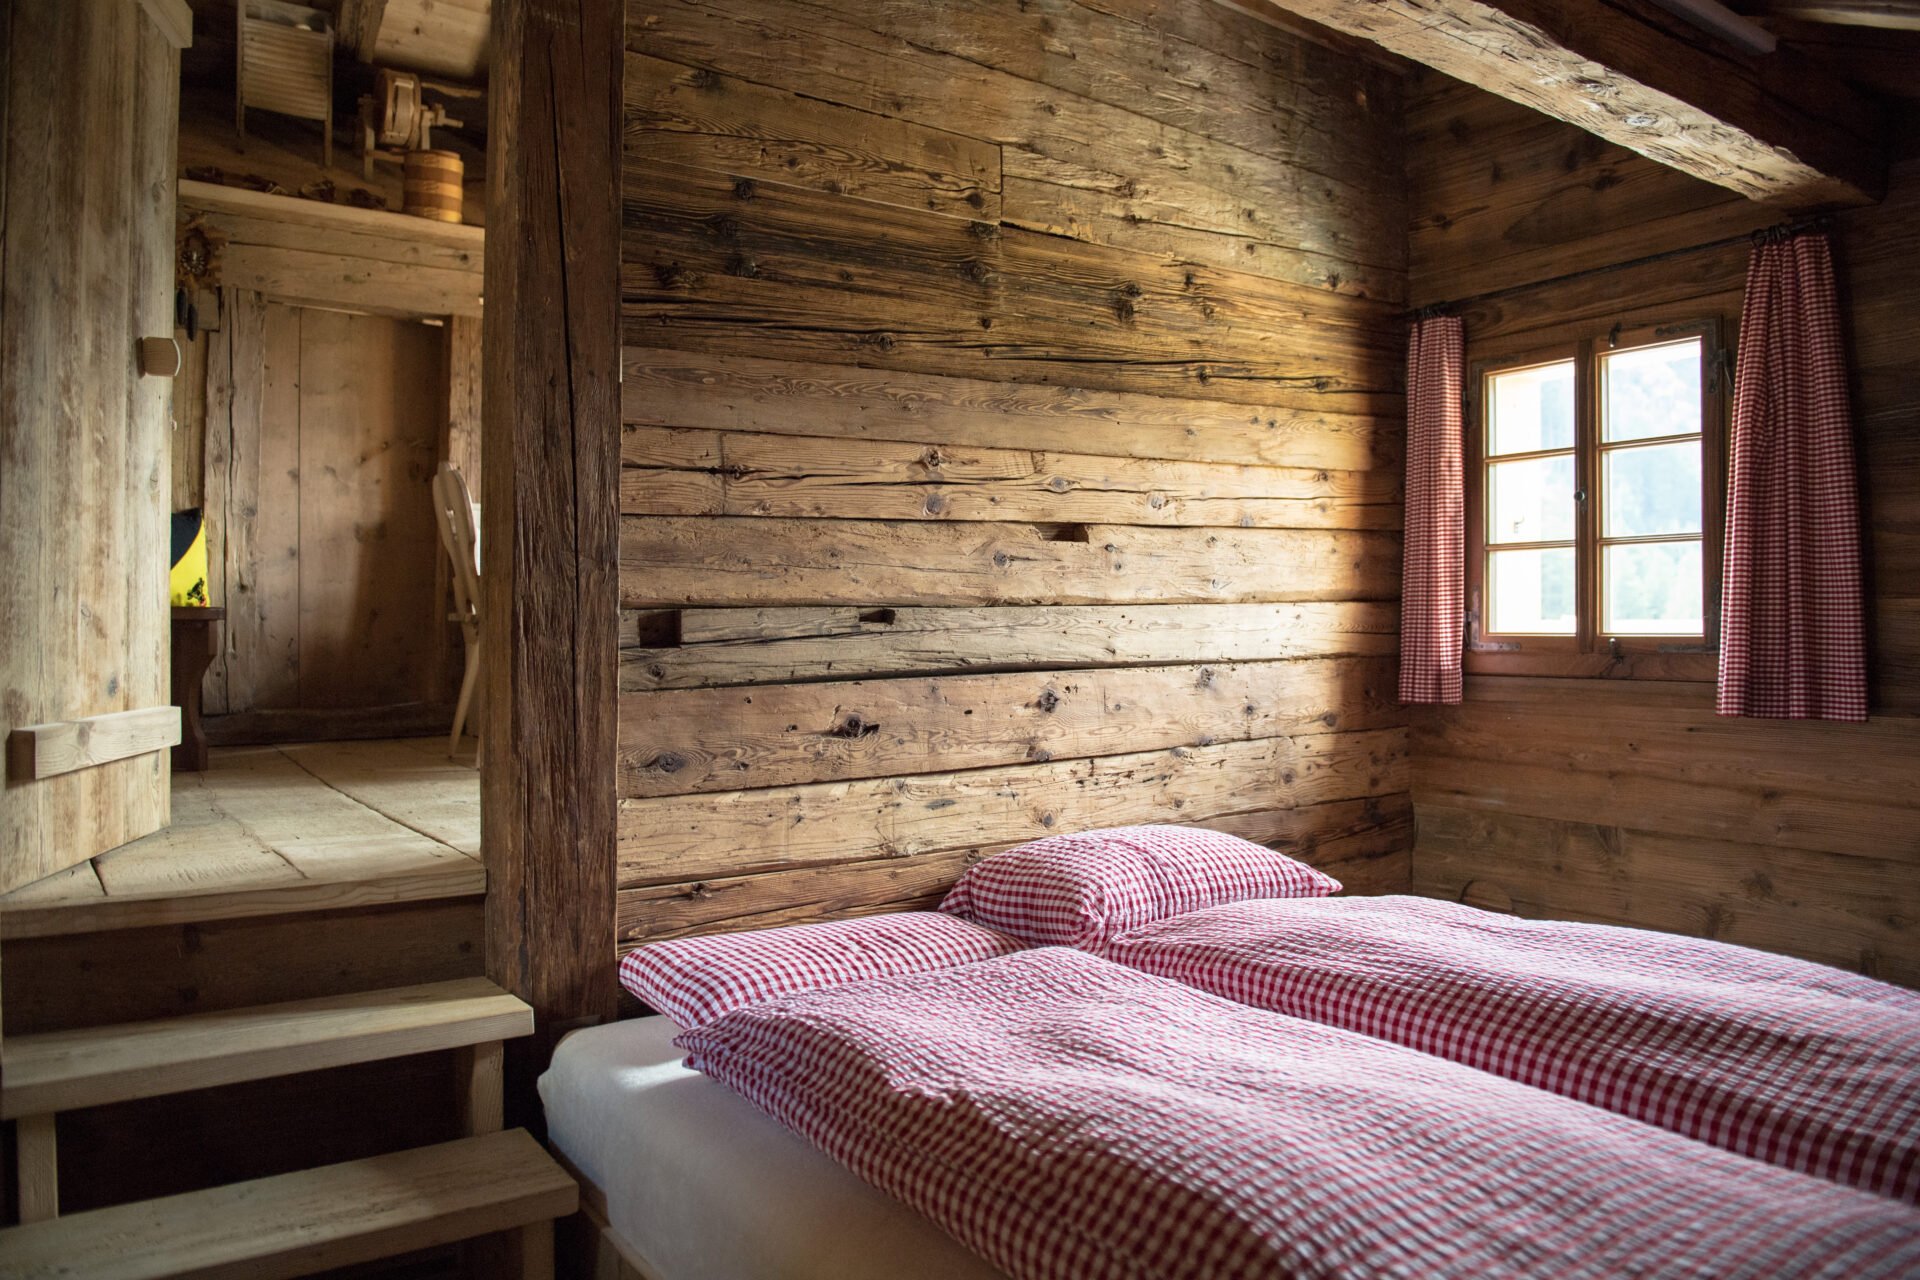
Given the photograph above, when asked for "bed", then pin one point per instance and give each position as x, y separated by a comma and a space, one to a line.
1064, 1115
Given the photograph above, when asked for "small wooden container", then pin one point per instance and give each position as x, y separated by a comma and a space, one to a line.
432, 185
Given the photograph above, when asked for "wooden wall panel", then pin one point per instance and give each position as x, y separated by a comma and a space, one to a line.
1011, 445
371, 403
323, 430
1627, 801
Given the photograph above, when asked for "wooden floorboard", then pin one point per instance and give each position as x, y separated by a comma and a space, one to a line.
270, 830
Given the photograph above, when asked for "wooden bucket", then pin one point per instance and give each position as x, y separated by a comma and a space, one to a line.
432, 185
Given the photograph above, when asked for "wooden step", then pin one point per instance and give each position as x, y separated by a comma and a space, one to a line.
299, 1223
61, 1070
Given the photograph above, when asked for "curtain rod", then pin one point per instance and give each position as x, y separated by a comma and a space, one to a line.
1764, 235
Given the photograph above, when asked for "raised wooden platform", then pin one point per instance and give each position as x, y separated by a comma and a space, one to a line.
272, 830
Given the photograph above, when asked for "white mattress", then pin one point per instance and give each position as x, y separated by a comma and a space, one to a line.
701, 1185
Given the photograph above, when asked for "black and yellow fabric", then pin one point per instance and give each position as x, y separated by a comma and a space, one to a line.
187, 584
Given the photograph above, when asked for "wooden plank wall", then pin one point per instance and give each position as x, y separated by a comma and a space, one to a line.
322, 432
1011, 445
1629, 801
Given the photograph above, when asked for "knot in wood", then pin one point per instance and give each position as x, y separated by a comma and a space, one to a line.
1048, 701
745, 189
668, 762
853, 727
701, 78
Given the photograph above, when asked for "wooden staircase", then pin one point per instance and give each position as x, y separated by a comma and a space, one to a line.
485, 1184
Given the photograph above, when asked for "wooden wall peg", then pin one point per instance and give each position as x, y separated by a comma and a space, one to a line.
159, 357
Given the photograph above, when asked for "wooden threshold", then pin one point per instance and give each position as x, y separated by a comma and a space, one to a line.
276, 830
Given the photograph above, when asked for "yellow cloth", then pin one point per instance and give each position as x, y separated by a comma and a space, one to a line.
187, 584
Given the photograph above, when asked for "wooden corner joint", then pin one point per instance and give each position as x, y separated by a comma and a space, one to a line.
63, 746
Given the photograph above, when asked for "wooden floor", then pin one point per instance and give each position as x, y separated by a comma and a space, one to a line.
266, 830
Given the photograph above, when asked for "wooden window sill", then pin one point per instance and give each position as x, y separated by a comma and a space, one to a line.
1631, 665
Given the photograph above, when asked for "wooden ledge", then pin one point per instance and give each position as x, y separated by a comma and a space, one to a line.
213, 197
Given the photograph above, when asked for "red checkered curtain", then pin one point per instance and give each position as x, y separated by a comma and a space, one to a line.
1791, 643
1432, 577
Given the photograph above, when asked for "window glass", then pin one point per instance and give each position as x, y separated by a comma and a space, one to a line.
1651, 489
1531, 592
1652, 588
1531, 409
1532, 500
1651, 391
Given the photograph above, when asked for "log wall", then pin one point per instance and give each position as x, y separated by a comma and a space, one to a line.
1011, 444
1629, 801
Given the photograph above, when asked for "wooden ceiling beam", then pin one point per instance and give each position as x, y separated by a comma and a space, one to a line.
357, 26
1774, 127
1890, 15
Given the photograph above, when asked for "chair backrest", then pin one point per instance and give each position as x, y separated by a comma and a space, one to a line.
453, 512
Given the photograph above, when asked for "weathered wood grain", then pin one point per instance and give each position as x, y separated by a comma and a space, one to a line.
884, 61
807, 275
678, 741
1032, 474
682, 560
1361, 842
551, 436
669, 472
696, 117
773, 646
677, 838
737, 392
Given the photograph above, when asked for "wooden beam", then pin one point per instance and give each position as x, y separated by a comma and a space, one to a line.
1773, 127
549, 584
1890, 15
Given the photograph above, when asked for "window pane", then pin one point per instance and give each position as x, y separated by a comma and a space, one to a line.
1652, 589
1530, 592
1652, 489
1530, 501
1651, 391
1530, 409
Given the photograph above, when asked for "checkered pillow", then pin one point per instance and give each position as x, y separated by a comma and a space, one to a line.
1083, 890
695, 980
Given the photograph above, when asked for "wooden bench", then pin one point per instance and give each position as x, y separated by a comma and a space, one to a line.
316, 1219
51, 1072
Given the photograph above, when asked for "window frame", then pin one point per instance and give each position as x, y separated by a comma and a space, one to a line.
1590, 651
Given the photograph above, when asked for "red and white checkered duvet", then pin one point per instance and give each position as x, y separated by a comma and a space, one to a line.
1798, 1064
1069, 1118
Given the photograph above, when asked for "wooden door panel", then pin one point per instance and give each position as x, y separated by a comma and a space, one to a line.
85, 270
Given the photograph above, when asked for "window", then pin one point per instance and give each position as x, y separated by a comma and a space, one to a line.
1596, 479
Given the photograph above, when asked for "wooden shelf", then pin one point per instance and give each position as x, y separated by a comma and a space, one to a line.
317, 1219
272, 830
64, 1070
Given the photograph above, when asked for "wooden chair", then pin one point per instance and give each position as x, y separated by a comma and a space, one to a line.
453, 510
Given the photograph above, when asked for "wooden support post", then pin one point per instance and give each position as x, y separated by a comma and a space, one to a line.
39, 1168
479, 1074
549, 583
